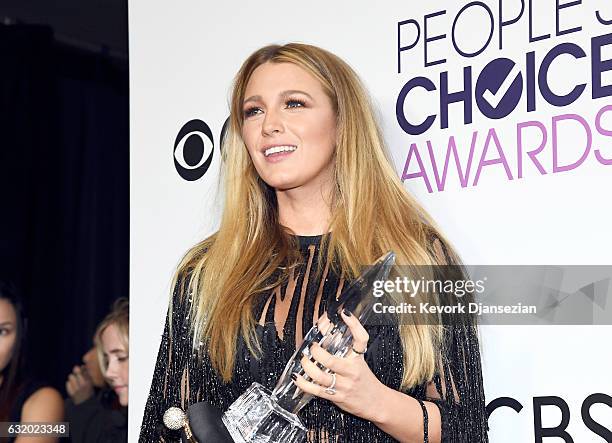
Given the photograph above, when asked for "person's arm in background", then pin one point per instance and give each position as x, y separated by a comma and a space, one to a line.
84, 410
44, 405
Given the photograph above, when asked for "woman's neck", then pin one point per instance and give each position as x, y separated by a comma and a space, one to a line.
304, 210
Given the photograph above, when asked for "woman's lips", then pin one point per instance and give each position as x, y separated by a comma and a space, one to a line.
278, 157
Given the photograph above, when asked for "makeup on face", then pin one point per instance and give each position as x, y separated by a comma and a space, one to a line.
289, 126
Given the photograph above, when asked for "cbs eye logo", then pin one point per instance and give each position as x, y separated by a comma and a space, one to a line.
194, 148
192, 143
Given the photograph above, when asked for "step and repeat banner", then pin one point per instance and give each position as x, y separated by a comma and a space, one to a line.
498, 116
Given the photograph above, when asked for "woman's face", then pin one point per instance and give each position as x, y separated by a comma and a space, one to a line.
289, 126
116, 362
8, 332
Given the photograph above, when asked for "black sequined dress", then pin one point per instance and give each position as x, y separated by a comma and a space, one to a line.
285, 316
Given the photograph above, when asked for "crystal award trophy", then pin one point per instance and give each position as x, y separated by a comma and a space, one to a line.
261, 416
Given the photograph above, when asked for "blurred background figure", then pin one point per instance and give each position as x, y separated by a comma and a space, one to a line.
86, 380
64, 171
112, 344
64, 188
89, 397
22, 398
98, 390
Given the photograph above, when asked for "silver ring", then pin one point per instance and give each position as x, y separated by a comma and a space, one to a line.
359, 352
331, 390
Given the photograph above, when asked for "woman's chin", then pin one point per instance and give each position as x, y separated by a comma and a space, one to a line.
282, 183
123, 400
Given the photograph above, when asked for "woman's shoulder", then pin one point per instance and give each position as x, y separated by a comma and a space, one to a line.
194, 258
42, 402
43, 394
191, 262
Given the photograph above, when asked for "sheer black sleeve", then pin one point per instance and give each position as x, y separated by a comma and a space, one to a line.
170, 377
457, 388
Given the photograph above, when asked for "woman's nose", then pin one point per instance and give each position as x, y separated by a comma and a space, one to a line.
110, 372
272, 123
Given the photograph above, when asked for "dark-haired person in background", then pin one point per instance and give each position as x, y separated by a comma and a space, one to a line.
22, 399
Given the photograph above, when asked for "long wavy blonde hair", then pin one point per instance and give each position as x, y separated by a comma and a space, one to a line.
371, 214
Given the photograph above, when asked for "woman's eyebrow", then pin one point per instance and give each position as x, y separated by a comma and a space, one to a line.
116, 351
6, 323
255, 98
295, 91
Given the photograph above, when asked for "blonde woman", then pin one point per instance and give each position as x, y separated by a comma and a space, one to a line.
310, 196
104, 418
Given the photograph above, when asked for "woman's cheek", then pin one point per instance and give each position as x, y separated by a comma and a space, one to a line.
125, 371
7, 342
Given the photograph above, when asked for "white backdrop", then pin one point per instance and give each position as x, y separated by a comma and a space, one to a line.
184, 55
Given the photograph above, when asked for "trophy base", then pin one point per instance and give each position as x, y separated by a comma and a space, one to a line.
256, 418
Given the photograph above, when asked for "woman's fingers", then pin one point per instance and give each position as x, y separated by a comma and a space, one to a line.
323, 323
315, 373
360, 335
314, 389
331, 362
70, 385
78, 373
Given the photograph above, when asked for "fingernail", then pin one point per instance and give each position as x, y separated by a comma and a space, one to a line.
347, 312
294, 376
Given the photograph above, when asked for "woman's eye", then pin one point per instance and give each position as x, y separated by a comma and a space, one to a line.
122, 359
251, 112
295, 103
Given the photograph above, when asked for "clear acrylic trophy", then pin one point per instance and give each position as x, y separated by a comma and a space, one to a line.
261, 416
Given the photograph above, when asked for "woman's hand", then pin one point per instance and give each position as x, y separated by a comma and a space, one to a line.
357, 390
79, 385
